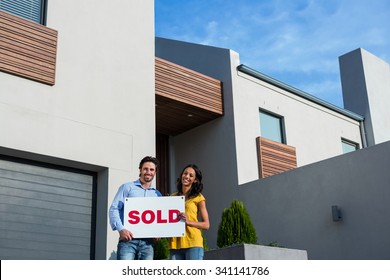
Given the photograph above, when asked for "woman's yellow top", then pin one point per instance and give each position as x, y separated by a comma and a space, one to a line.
193, 237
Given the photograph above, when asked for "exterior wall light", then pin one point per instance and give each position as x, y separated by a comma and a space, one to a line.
336, 213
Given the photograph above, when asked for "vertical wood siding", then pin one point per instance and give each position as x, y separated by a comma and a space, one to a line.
274, 157
27, 49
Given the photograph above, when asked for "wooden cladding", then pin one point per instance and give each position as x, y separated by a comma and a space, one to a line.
184, 98
27, 49
274, 157
179, 83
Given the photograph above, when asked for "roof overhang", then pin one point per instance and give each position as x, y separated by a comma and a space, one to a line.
185, 98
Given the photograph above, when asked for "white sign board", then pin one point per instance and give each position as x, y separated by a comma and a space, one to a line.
148, 217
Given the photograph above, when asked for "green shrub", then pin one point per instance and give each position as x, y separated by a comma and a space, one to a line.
161, 249
236, 226
205, 247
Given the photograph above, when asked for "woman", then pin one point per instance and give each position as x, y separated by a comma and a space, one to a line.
190, 246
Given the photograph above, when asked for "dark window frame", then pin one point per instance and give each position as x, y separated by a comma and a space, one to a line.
350, 143
281, 124
42, 15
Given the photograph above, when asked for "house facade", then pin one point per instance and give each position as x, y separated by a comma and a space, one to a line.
82, 101
293, 208
71, 136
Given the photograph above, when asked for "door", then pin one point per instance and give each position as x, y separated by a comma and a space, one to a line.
47, 212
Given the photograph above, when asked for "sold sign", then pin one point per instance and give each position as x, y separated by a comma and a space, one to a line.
148, 217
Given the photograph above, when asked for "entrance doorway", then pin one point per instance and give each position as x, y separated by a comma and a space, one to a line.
162, 154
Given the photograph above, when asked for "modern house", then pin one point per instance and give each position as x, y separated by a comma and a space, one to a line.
333, 203
82, 101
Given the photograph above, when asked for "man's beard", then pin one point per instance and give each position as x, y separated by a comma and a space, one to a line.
148, 178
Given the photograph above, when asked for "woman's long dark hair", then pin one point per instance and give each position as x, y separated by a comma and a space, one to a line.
196, 187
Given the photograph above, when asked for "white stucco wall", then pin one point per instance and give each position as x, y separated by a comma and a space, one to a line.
366, 90
101, 109
377, 74
313, 130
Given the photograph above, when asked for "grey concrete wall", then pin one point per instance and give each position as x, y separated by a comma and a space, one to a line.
365, 82
294, 208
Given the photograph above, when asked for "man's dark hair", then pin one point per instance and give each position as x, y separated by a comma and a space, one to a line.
149, 159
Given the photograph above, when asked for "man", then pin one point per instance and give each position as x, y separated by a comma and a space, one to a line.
130, 248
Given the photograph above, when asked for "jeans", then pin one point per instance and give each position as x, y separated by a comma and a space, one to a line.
136, 249
194, 253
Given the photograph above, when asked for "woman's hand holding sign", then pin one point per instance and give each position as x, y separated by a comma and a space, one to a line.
183, 216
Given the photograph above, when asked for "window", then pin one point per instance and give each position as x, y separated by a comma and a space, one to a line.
348, 146
271, 127
34, 10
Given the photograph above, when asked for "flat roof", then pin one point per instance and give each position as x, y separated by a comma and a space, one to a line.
256, 74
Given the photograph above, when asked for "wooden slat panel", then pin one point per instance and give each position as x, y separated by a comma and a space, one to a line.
184, 98
27, 49
274, 157
187, 86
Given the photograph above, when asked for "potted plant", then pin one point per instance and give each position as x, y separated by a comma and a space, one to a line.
237, 239
236, 226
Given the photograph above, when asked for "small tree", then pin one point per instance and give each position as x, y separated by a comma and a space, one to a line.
236, 226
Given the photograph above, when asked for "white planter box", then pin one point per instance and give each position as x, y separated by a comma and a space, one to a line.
255, 252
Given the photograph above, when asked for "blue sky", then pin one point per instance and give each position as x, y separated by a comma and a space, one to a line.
295, 41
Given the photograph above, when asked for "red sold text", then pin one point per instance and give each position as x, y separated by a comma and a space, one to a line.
150, 216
